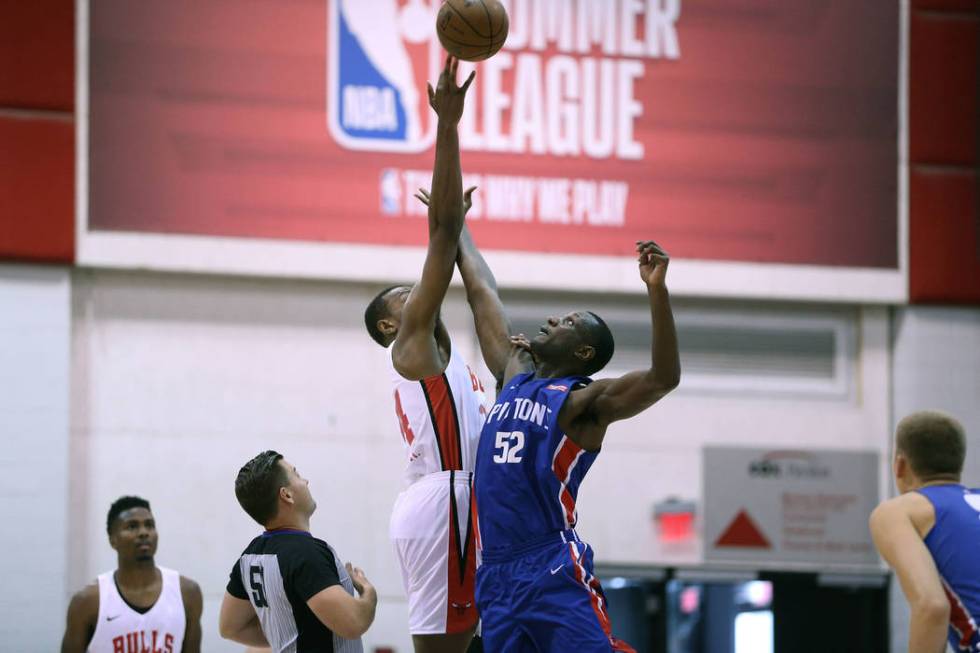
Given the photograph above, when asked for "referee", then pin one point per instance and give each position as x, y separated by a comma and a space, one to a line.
288, 590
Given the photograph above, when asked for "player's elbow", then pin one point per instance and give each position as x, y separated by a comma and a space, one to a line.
931, 609
225, 629
663, 382
352, 627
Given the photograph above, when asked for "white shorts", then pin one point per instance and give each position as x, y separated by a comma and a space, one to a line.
436, 552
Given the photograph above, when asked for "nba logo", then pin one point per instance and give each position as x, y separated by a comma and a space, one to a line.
391, 192
380, 55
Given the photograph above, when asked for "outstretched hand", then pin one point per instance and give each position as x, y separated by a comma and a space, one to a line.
653, 263
422, 195
447, 98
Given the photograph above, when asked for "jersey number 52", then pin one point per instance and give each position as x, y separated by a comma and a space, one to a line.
508, 446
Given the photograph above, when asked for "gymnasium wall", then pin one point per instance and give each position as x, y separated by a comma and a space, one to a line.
177, 380
936, 365
35, 324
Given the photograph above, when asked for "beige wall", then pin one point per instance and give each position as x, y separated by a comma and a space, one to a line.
177, 380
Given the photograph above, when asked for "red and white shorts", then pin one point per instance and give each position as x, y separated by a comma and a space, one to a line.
431, 529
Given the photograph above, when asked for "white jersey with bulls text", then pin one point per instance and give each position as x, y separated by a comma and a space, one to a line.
440, 418
122, 628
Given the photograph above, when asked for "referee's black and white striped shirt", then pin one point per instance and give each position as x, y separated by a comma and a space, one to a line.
278, 573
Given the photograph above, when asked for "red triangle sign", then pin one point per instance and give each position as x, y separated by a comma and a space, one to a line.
743, 532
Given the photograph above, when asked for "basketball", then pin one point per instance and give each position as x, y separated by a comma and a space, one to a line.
472, 30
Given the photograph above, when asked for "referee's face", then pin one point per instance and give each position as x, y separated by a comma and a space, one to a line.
300, 489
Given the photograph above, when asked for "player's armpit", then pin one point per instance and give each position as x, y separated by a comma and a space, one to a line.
239, 623
900, 545
345, 615
83, 612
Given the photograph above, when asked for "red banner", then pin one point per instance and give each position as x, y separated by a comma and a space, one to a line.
730, 130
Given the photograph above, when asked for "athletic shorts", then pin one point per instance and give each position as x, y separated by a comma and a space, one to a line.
435, 548
544, 599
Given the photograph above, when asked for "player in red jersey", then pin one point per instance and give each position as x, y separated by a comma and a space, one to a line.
438, 402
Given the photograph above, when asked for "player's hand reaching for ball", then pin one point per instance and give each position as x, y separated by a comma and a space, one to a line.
422, 195
447, 98
653, 263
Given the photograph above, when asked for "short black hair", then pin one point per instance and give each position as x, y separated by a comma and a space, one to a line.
603, 343
934, 444
121, 505
377, 310
257, 486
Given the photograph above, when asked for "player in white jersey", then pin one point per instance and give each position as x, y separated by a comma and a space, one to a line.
139, 607
438, 402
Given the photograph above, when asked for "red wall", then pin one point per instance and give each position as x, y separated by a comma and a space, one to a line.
37, 130
37, 141
944, 148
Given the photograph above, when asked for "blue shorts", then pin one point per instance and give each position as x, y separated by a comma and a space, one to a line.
544, 598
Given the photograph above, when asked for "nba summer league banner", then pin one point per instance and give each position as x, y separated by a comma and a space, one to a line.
756, 131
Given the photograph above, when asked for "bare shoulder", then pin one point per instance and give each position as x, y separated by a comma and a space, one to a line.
910, 506
190, 591
920, 510
85, 602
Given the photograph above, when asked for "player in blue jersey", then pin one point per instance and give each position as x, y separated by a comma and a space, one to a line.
930, 534
536, 590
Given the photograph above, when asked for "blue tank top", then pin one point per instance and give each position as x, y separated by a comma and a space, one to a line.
954, 543
527, 470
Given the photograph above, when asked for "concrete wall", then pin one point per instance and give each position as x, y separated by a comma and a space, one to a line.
937, 366
35, 322
177, 380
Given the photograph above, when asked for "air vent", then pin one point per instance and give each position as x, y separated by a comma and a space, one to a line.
740, 351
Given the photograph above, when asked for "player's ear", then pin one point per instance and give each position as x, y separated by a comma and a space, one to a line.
387, 327
585, 353
286, 494
112, 540
901, 466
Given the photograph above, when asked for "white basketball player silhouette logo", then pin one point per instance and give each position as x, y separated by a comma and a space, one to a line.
972, 500
380, 55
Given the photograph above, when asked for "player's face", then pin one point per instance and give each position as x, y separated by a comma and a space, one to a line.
561, 336
134, 535
395, 299
300, 489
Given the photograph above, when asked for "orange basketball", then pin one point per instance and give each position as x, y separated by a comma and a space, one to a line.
472, 30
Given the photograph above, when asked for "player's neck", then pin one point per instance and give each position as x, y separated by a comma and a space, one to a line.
290, 522
942, 480
544, 370
136, 573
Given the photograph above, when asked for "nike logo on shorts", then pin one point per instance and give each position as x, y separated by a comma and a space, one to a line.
557, 569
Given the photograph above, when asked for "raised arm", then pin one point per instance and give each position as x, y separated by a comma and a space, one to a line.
589, 411
900, 544
492, 326
416, 352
